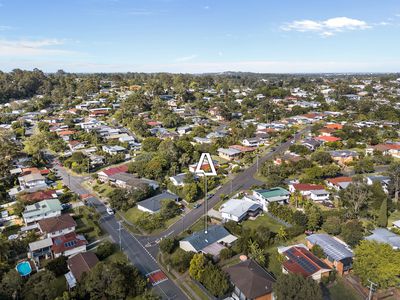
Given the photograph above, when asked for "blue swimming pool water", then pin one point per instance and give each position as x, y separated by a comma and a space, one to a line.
24, 268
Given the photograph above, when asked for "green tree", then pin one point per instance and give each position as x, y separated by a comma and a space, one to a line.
11, 285
314, 217
383, 214
352, 232
332, 225
105, 249
215, 280
168, 245
41, 286
317, 251
377, 262
150, 144
295, 286
58, 266
111, 281
197, 266
256, 253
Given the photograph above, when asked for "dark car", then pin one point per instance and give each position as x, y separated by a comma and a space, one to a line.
65, 206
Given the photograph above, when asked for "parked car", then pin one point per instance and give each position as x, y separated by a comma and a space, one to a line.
66, 206
197, 205
110, 211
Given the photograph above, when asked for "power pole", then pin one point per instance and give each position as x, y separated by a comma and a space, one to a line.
371, 289
119, 233
257, 163
205, 205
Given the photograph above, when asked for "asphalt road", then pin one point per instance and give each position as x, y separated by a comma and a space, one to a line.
243, 181
133, 246
137, 254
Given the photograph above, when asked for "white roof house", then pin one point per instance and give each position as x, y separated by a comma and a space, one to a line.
238, 209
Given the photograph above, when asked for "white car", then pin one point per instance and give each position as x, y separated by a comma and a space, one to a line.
110, 211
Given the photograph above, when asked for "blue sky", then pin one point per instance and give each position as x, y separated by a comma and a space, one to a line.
200, 35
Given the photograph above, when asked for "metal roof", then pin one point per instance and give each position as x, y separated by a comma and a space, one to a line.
331, 246
383, 235
200, 240
154, 203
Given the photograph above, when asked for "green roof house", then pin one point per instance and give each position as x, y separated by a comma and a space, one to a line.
267, 196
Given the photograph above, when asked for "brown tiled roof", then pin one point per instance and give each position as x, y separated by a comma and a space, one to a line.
67, 242
82, 263
57, 223
251, 279
38, 196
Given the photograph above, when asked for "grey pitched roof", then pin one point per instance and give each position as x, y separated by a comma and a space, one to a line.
251, 279
154, 203
383, 235
331, 246
199, 240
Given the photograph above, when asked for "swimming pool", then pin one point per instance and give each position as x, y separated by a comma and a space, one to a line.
24, 268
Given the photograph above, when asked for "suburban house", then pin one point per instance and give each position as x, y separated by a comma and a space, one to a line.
304, 188
127, 180
338, 253
343, 157
383, 235
68, 244
75, 145
250, 281
339, 183
299, 260
38, 196
178, 180
287, 157
327, 139
56, 226
386, 149
239, 209
211, 241
153, 205
32, 180
319, 195
311, 144
104, 175
40, 249
266, 196
229, 154
78, 265
113, 150
41, 210
383, 180
254, 142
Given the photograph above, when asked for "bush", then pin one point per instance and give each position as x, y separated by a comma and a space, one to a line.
105, 250
168, 245
226, 253
332, 225
180, 260
58, 266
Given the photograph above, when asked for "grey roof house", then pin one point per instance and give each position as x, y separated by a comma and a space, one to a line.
153, 205
211, 242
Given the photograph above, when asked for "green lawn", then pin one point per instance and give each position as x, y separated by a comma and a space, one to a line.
264, 220
393, 217
133, 214
340, 291
87, 225
197, 290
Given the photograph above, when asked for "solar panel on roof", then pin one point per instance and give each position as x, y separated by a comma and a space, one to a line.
305, 264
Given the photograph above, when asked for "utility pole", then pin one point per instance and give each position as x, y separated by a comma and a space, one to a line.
257, 163
205, 205
371, 289
119, 230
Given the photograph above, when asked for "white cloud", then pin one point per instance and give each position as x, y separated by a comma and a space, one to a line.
13, 48
206, 7
186, 58
326, 27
